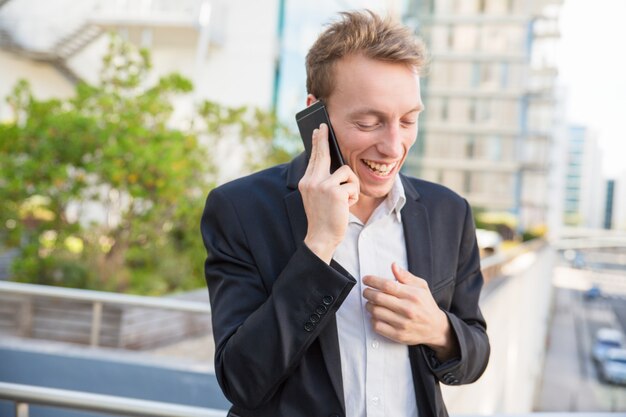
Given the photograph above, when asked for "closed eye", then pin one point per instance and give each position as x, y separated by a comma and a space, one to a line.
367, 126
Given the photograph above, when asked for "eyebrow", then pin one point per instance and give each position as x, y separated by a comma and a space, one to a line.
370, 111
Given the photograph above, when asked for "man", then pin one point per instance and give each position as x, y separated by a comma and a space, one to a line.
352, 294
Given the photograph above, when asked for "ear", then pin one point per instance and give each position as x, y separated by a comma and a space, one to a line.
310, 99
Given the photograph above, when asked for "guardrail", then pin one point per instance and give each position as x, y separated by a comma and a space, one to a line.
98, 299
491, 266
23, 395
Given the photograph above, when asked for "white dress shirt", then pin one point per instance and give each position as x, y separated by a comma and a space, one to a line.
376, 372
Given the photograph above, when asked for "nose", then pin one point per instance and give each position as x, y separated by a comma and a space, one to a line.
390, 144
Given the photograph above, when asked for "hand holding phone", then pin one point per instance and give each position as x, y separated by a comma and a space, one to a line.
310, 119
327, 216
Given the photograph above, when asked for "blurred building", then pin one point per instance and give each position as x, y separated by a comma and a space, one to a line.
489, 121
619, 203
585, 190
227, 48
608, 206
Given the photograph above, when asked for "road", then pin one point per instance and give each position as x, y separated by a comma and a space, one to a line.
570, 378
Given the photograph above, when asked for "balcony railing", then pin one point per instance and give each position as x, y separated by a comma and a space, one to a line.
98, 300
23, 395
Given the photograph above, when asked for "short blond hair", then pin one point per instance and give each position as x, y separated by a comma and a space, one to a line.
360, 32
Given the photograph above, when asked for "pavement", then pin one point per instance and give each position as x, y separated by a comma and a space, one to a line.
570, 381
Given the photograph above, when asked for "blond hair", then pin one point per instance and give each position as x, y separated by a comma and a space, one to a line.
360, 32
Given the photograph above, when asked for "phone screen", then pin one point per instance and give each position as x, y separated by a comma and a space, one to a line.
310, 119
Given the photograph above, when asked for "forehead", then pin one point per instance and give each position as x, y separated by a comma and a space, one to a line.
366, 81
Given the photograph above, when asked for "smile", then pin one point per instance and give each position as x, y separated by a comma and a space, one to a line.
380, 169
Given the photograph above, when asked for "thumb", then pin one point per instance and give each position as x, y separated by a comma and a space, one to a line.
403, 276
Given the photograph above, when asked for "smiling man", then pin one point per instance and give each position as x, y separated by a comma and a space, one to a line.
354, 293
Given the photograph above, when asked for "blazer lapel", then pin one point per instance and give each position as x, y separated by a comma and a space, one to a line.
328, 338
417, 234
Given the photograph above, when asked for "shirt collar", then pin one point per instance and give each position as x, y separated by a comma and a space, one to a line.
395, 199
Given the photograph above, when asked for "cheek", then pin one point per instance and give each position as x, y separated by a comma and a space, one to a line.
410, 139
353, 143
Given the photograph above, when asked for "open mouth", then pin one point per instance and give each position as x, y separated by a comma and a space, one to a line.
379, 169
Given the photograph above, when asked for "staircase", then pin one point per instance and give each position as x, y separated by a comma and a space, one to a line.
73, 43
62, 50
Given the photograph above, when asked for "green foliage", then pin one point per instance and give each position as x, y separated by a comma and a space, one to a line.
112, 149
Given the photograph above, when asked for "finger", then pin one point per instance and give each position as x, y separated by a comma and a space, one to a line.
389, 316
345, 175
309, 167
321, 165
384, 285
351, 191
405, 277
387, 301
386, 330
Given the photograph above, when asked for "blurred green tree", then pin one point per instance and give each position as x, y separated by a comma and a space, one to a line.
112, 150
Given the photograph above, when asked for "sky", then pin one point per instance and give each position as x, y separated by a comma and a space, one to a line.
592, 69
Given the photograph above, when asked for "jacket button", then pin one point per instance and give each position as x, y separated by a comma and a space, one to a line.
314, 318
321, 309
327, 300
308, 326
334, 415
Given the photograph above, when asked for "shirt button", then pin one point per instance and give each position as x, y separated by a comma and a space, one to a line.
375, 400
375, 344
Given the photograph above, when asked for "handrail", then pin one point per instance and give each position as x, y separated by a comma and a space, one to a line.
99, 298
75, 294
504, 257
491, 266
23, 395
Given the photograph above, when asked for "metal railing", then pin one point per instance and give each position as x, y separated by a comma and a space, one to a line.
98, 299
491, 266
23, 395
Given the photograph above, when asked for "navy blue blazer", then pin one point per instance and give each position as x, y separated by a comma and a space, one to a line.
273, 301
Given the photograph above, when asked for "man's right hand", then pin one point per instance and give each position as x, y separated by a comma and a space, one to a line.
327, 198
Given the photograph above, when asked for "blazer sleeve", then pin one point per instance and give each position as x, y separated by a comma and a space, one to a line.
261, 333
465, 316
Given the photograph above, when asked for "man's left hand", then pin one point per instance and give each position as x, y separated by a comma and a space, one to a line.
406, 312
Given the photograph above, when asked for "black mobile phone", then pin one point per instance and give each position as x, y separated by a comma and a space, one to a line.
310, 119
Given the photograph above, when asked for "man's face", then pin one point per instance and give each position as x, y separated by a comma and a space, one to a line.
373, 110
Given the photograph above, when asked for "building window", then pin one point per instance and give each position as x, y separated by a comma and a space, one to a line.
470, 148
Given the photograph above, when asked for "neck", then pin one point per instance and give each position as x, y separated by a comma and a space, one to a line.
366, 205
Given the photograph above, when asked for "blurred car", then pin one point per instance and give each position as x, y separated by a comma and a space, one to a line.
575, 258
592, 293
489, 242
613, 368
606, 339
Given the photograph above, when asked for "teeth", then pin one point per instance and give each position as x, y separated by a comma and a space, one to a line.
382, 169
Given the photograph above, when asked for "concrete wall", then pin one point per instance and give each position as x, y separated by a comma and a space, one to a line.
517, 309
45, 81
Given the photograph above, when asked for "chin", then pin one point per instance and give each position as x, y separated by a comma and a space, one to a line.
376, 192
